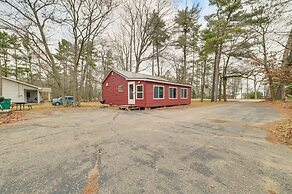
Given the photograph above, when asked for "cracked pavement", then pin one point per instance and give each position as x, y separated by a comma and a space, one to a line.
211, 149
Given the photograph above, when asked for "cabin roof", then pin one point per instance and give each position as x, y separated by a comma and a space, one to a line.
132, 75
144, 77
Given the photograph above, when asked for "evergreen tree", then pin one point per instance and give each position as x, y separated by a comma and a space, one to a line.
64, 58
159, 36
28, 57
222, 25
5, 45
186, 23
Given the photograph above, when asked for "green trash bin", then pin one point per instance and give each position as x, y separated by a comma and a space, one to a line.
6, 103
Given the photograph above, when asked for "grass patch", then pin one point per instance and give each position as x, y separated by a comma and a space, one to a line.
47, 105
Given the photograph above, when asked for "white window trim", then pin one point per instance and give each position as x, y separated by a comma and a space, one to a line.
140, 92
181, 93
158, 92
169, 92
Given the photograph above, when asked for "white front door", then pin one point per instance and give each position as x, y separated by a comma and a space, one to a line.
131, 92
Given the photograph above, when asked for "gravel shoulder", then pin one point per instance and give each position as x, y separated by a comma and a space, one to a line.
213, 149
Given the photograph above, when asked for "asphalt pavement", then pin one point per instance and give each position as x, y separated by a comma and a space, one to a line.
214, 149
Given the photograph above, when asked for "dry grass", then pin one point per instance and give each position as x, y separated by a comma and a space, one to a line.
49, 106
198, 103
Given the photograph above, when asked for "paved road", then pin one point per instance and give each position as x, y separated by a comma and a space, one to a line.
195, 150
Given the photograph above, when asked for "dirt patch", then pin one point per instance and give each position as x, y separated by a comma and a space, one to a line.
272, 192
12, 118
280, 131
92, 185
219, 121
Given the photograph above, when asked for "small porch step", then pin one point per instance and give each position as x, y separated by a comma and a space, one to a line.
129, 107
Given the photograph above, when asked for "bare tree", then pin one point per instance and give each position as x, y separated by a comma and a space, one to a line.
87, 20
286, 63
33, 18
137, 25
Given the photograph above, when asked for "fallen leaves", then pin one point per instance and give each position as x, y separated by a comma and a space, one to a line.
281, 131
12, 118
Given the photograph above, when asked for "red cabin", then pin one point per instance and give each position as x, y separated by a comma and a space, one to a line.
128, 88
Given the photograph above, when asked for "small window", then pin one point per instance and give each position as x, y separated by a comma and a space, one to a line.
139, 91
158, 92
172, 94
120, 88
183, 93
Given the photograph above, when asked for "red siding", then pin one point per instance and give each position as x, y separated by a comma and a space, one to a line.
150, 102
110, 93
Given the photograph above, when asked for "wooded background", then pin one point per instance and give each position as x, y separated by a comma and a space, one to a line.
242, 49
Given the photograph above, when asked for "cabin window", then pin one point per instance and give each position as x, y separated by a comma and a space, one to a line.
172, 93
158, 92
183, 93
120, 88
139, 92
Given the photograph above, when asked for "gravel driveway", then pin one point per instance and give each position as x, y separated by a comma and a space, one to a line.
211, 149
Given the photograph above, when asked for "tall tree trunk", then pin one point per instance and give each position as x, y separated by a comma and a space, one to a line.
272, 89
30, 68
184, 76
225, 88
220, 87
241, 88
197, 81
16, 64
203, 80
216, 74
194, 90
131, 48
75, 74
287, 60
157, 61
5, 65
247, 89
153, 60
255, 87
266, 65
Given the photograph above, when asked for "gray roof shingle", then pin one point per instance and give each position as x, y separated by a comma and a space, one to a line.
132, 75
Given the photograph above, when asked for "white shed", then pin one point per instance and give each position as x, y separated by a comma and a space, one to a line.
23, 92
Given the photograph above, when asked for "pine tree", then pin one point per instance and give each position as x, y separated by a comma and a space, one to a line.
186, 23
64, 58
222, 25
159, 36
5, 45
